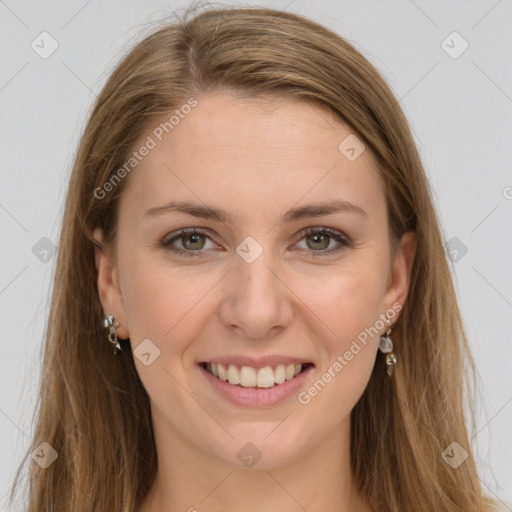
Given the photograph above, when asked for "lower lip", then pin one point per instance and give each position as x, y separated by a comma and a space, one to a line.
257, 397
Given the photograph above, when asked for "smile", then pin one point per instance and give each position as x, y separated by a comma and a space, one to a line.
249, 377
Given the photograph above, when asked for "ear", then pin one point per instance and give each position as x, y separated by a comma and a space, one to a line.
108, 283
398, 286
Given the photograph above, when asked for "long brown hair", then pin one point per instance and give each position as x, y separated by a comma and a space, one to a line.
93, 410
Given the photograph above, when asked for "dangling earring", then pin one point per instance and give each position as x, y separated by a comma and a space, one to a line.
110, 323
386, 347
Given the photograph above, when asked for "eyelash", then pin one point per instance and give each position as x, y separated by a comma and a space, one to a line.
338, 237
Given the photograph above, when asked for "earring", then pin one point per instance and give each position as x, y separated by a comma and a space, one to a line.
110, 323
386, 347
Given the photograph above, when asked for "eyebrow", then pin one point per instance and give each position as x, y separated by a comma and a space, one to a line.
209, 212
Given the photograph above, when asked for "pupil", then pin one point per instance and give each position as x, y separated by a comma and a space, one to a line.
195, 239
324, 238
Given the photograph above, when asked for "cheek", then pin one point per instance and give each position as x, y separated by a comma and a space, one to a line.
162, 302
163, 306
350, 306
348, 300
349, 303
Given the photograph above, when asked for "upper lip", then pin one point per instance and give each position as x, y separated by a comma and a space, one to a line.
256, 362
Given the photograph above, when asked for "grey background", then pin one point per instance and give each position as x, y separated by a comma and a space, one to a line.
460, 110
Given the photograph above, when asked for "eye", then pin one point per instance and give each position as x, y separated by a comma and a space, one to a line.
192, 242
320, 241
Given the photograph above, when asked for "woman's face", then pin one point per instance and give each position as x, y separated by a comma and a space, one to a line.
269, 275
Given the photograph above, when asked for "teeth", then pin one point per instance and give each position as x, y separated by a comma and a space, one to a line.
265, 377
222, 372
280, 375
233, 375
249, 377
290, 371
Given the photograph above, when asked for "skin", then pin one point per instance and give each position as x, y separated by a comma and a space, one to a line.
256, 159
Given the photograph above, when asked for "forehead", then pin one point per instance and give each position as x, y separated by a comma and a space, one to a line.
253, 152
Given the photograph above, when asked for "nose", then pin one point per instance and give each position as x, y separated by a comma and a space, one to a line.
256, 300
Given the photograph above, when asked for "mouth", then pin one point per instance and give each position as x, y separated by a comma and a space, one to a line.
251, 377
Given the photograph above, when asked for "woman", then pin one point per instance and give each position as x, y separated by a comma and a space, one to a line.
253, 308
